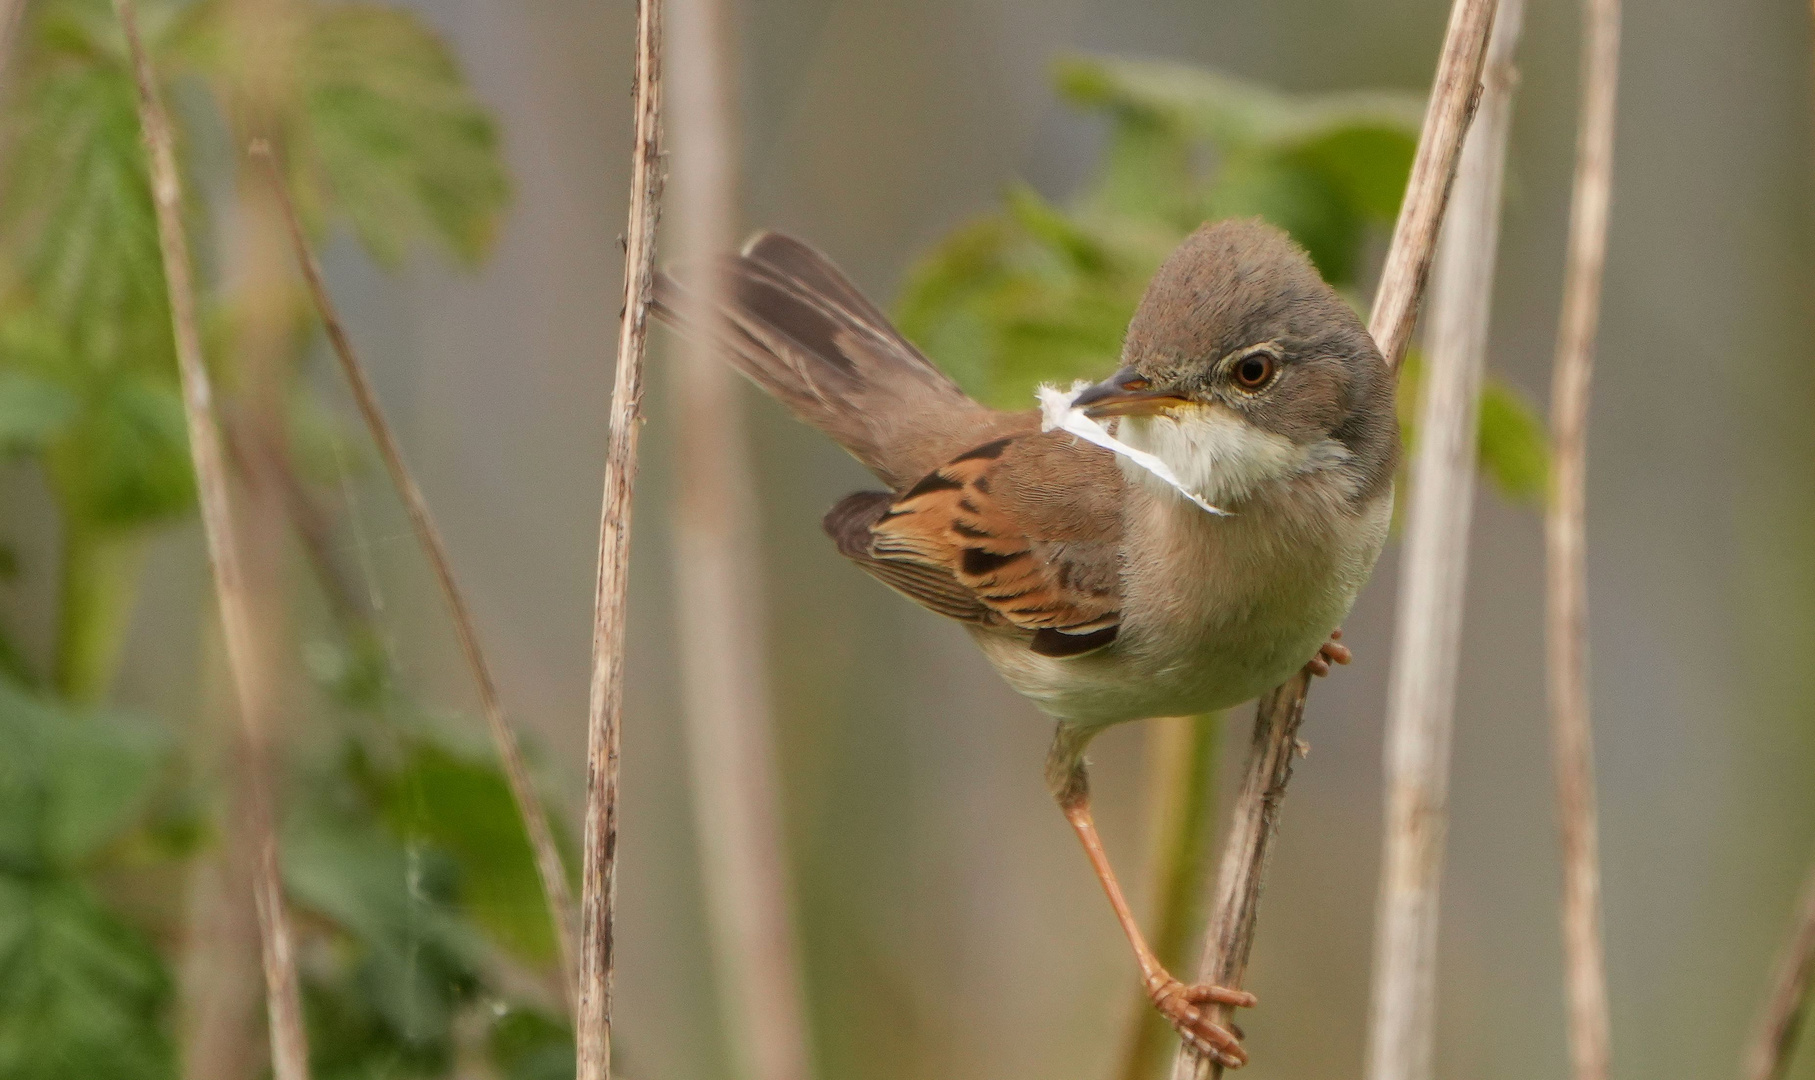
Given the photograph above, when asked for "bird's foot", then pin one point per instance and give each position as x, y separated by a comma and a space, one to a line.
1330, 652
1187, 1006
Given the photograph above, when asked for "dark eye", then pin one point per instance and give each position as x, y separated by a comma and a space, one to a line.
1255, 370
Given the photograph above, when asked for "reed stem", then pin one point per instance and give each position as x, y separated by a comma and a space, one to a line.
605, 715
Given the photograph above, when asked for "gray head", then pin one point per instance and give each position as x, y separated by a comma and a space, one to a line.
1238, 326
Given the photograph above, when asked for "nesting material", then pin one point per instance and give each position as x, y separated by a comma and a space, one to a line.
1057, 411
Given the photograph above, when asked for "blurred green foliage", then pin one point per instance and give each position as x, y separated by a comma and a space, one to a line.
82, 993
412, 881
414, 887
1042, 293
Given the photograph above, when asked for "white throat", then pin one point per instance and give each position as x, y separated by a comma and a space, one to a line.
1220, 456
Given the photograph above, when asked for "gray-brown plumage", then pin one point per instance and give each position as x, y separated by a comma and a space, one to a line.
973, 529
1097, 590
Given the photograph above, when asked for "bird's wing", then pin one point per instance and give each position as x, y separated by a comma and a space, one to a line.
1022, 532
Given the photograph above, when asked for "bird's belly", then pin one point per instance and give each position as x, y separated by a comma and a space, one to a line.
1230, 609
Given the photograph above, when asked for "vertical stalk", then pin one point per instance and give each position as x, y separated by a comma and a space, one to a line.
1421, 697
605, 714
225, 1031
252, 683
718, 592
1454, 95
1566, 617
1277, 718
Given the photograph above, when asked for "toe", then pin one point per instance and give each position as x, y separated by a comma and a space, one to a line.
1205, 993
1217, 1042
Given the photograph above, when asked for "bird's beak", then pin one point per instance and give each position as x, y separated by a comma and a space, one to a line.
1126, 393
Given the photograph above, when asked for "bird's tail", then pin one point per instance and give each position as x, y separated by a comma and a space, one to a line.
790, 321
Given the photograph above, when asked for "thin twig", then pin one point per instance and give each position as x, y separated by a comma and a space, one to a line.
1566, 616
1454, 95
1271, 752
1769, 1056
312, 522
289, 1043
604, 723
221, 1037
549, 868
718, 591
1446, 121
1421, 698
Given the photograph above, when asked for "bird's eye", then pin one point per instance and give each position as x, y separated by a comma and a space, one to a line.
1255, 370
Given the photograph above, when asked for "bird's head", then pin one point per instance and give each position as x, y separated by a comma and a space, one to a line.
1243, 368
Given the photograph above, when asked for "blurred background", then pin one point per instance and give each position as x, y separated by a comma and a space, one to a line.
948, 925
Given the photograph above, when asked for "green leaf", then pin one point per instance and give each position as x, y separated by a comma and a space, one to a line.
72, 780
1296, 198
1227, 112
1047, 225
1367, 166
77, 205
1514, 447
1043, 293
464, 807
81, 994
390, 135
102, 773
1320, 166
1149, 171
527, 1045
33, 410
13, 664
126, 462
406, 961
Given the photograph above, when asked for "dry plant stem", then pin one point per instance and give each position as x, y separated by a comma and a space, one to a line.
312, 522
1271, 753
1433, 571
289, 1047
1768, 1058
599, 877
718, 591
549, 868
229, 1030
220, 1036
1446, 120
1566, 621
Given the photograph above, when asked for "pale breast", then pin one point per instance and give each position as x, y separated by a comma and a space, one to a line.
1216, 611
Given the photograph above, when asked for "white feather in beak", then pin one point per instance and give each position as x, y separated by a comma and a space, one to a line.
1057, 411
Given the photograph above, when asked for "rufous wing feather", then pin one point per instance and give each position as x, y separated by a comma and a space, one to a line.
1040, 562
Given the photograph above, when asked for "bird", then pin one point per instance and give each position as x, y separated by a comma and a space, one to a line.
1097, 590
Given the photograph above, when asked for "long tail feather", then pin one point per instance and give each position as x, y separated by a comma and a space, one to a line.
797, 327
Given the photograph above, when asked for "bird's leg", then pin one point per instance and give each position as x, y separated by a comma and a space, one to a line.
1330, 652
1185, 1005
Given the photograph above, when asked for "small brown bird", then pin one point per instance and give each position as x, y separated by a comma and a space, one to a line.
1096, 589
